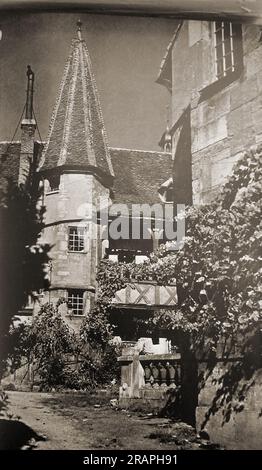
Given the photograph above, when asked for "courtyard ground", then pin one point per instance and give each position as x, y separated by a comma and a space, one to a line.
83, 421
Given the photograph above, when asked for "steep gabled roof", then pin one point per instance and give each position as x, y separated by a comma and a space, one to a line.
139, 175
77, 137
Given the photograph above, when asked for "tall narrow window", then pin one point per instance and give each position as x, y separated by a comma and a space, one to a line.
76, 240
228, 46
76, 301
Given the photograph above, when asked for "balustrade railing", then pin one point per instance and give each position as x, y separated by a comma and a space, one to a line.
148, 375
161, 372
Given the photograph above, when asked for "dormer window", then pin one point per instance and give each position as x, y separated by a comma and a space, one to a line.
228, 48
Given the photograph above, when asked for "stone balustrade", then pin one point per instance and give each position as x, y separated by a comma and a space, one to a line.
161, 373
147, 377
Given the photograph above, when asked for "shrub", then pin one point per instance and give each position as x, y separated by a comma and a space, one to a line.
61, 358
97, 349
49, 340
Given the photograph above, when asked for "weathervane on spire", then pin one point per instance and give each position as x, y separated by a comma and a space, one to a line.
79, 30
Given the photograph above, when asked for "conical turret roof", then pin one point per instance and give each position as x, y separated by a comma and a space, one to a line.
77, 138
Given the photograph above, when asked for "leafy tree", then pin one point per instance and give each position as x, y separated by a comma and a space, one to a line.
97, 349
218, 270
22, 257
218, 274
49, 340
60, 358
19, 346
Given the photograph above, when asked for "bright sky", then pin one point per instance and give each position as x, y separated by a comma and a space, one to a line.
125, 51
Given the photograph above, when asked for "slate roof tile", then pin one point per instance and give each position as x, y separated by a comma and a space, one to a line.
77, 135
139, 174
9, 160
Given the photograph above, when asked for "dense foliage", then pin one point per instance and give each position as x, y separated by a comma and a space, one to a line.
218, 277
49, 341
97, 348
218, 270
57, 357
22, 258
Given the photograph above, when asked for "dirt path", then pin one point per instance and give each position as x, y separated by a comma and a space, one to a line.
59, 431
73, 421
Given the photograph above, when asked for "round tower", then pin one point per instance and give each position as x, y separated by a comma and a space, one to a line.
77, 173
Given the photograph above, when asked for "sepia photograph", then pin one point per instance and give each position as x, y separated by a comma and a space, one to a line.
130, 229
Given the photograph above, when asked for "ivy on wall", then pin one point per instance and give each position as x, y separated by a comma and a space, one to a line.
218, 274
218, 270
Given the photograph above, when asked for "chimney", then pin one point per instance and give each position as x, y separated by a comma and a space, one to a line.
28, 127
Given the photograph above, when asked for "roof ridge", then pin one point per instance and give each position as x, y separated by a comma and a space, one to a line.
97, 98
56, 106
10, 142
69, 109
140, 150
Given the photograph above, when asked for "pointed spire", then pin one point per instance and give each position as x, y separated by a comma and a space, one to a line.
77, 137
79, 30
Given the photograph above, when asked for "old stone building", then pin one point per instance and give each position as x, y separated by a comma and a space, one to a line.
213, 72
81, 175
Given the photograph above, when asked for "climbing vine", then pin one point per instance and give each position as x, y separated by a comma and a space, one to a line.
218, 273
218, 270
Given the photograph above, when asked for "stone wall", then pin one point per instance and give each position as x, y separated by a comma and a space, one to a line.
192, 65
70, 206
224, 122
237, 424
